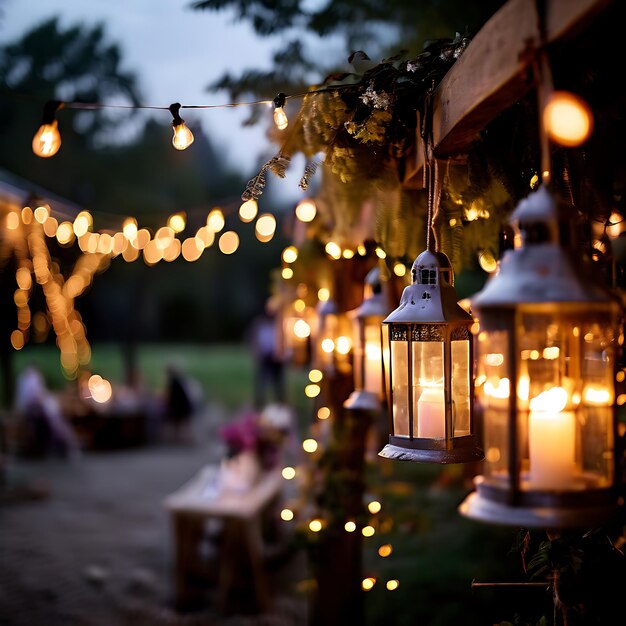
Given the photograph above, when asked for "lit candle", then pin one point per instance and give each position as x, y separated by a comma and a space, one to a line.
373, 373
551, 441
431, 413
497, 394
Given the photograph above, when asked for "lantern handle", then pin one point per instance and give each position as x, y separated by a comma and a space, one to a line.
542, 73
431, 170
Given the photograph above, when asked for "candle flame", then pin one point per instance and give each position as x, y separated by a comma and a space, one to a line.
501, 390
596, 395
553, 400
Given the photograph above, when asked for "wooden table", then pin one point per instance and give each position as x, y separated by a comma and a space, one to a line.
242, 514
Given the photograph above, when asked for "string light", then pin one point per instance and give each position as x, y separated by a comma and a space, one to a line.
47, 139
183, 137
306, 210
567, 118
280, 117
248, 210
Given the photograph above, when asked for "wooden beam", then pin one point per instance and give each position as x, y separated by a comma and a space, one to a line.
492, 74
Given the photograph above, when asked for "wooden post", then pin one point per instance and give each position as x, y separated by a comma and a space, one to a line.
337, 557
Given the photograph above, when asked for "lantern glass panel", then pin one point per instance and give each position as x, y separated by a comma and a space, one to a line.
493, 371
373, 358
563, 403
384, 332
400, 389
429, 413
460, 388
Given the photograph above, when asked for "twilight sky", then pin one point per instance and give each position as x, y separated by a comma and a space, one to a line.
175, 53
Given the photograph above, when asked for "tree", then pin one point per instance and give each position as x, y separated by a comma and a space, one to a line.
380, 28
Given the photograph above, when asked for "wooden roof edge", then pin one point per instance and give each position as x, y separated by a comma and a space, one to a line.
492, 74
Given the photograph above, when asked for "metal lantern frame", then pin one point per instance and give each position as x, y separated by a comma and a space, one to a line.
550, 458
429, 317
367, 320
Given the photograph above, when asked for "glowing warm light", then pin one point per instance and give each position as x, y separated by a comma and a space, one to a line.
205, 237
374, 507
309, 445
399, 269
487, 262
323, 294
47, 140
350, 527
312, 391
453, 222
172, 252
361, 249
248, 210
12, 220
567, 119
191, 249
17, 339
368, 531
82, 223
500, 390
163, 237
130, 228
177, 222
183, 137
616, 225
105, 243
286, 515
368, 583
344, 345
50, 226
289, 473
299, 305
620, 376
215, 220
152, 254
301, 329
315, 525
551, 353
323, 413
534, 181
306, 210
27, 215
380, 253
41, 214
347, 253
266, 225
286, 273
23, 278
100, 388
315, 376
65, 233
534, 355
290, 254
494, 359
142, 239
392, 585
120, 243
333, 250
229, 242
385, 550
280, 118
328, 345
598, 396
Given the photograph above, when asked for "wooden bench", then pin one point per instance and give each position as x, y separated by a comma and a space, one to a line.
242, 513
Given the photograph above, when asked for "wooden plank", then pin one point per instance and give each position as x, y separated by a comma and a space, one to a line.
492, 74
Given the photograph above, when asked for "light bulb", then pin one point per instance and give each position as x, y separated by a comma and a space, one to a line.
280, 117
183, 137
567, 118
47, 139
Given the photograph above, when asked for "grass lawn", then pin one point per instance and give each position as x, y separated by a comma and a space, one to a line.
225, 372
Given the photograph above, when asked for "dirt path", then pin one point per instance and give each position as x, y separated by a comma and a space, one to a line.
97, 550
